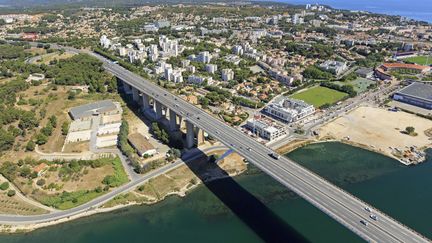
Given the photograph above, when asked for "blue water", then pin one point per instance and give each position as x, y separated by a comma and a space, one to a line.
415, 9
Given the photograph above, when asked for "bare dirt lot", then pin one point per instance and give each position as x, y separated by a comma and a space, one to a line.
378, 129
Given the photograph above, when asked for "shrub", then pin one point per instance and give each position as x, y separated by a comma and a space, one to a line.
11, 193
40, 182
4, 186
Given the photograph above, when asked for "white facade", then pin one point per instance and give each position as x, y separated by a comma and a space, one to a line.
227, 74
264, 130
238, 50
335, 67
289, 110
105, 42
211, 68
122, 51
204, 57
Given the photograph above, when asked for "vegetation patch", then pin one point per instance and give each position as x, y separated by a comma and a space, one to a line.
319, 96
421, 60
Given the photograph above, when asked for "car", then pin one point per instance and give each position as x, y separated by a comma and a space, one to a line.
364, 222
374, 217
368, 209
198, 117
274, 155
249, 149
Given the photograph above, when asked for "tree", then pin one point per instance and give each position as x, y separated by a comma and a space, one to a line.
40, 182
53, 121
4, 186
65, 128
410, 130
11, 193
30, 146
41, 139
6, 140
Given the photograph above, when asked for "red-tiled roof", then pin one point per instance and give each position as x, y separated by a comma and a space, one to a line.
404, 65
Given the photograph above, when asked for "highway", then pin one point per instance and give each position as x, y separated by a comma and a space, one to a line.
338, 204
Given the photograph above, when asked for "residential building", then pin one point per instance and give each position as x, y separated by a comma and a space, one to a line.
335, 67
211, 68
265, 129
289, 110
227, 74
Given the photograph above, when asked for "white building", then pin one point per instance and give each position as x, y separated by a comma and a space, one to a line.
211, 68
204, 57
122, 51
264, 130
191, 69
177, 76
105, 42
289, 110
335, 67
153, 53
198, 79
167, 73
238, 50
227, 74
169, 47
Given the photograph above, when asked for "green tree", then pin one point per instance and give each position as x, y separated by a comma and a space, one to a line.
41, 139
30, 146
4, 186
11, 193
65, 128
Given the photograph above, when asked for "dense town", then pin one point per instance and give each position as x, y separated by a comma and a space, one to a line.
283, 75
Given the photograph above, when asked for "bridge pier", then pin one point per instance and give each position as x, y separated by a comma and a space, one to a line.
190, 135
158, 107
199, 136
135, 94
145, 101
126, 88
173, 121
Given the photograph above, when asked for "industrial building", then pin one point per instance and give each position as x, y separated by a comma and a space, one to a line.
417, 94
104, 107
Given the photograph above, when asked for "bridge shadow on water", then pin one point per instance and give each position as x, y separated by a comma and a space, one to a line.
248, 208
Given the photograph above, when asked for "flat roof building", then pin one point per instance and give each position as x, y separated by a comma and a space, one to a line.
417, 94
96, 108
264, 129
289, 110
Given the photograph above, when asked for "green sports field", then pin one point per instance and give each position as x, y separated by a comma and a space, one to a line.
421, 60
318, 96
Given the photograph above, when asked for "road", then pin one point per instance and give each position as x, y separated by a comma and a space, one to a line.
338, 204
56, 215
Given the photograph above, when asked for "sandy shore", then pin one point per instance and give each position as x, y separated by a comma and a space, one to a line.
379, 130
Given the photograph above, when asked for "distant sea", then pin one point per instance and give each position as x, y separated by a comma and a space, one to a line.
414, 9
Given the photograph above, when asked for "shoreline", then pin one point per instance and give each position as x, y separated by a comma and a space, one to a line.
11, 229
183, 192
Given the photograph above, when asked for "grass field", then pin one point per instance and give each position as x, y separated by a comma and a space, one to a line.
360, 85
318, 96
421, 60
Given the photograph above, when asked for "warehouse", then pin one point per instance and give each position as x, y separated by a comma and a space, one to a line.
417, 94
